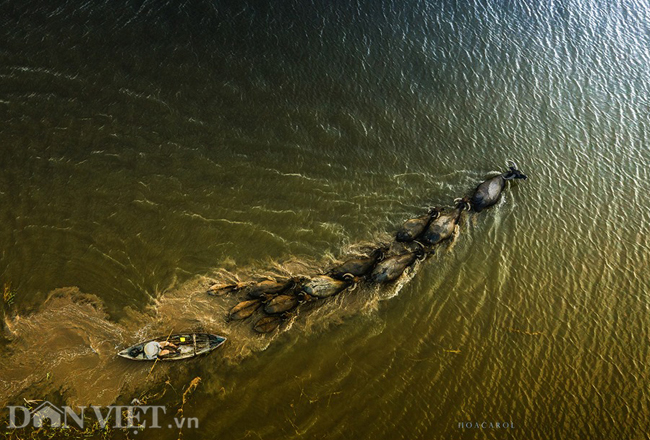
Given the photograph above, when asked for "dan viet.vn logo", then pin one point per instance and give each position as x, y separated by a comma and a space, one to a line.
116, 416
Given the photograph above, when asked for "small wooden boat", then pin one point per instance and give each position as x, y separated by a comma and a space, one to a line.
173, 348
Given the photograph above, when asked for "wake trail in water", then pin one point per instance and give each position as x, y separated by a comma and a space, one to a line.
71, 332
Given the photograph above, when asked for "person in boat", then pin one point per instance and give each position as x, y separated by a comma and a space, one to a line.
155, 349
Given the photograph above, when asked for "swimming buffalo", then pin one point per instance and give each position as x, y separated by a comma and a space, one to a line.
357, 267
391, 268
323, 286
223, 289
244, 309
413, 228
268, 324
488, 192
444, 226
281, 304
269, 287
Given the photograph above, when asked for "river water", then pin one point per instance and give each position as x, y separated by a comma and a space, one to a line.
150, 148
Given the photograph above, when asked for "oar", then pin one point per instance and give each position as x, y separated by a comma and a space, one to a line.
157, 358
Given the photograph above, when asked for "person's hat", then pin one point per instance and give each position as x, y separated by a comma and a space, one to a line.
151, 349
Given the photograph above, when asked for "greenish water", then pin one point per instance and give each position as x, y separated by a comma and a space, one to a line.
149, 149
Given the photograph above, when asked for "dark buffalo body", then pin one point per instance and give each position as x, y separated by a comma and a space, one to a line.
356, 267
441, 228
323, 286
487, 193
413, 228
391, 268
267, 324
244, 309
268, 287
281, 304
223, 289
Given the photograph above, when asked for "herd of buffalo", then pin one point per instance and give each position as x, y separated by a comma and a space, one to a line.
416, 239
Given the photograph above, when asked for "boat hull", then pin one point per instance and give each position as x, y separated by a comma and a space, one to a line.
189, 345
